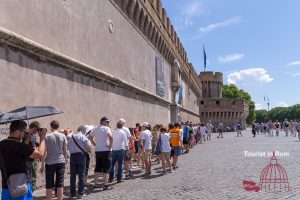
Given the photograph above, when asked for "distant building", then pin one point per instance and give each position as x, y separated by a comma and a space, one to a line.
217, 109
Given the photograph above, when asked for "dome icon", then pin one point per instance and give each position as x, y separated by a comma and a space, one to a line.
274, 177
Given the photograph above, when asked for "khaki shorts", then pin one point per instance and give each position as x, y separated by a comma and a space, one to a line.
146, 155
165, 155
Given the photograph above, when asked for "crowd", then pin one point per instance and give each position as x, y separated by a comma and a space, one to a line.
117, 149
271, 128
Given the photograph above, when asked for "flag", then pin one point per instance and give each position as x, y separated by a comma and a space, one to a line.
180, 96
204, 58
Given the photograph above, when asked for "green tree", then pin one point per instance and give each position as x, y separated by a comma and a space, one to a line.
231, 91
262, 116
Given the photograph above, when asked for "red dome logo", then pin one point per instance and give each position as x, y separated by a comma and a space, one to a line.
273, 178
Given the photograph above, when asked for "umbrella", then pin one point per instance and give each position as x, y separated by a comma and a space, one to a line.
28, 112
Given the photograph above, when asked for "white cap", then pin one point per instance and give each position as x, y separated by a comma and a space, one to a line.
121, 121
145, 124
88, 128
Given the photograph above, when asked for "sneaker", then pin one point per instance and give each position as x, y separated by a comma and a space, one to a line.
133, 167
163, 172
171, 171
119, 181
107, 187
81, 196
146, 174
96, 186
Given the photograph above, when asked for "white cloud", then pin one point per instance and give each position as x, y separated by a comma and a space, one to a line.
228, 22
231, 57
294, 63
258, 106
296, 74
249, 79
190, 11
282, 104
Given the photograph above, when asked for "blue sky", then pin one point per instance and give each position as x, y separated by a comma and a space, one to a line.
255, 43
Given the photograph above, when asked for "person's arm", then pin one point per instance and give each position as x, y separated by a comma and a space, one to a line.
39, 153
110, 138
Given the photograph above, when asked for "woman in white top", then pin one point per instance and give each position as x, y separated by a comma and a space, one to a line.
165, 149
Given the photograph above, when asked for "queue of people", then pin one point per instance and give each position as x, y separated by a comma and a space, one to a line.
116, 150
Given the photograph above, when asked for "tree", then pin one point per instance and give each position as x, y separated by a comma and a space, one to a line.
282, 113
231, 91
262, 116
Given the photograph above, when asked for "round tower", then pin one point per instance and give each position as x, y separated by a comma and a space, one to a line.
211, 84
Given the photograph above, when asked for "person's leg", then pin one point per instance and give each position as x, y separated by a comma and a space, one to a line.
97, 168
120, 165
106, 165
87, 166
113, 162
167, 157
60, 172
81, 172
49, 171
73, 175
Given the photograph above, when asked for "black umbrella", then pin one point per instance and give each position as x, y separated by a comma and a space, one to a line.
28, 112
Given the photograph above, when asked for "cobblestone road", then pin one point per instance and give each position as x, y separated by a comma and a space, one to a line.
214, 170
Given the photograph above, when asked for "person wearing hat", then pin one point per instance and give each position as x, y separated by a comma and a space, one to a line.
127, 155
146, 147
102, 138
78, 146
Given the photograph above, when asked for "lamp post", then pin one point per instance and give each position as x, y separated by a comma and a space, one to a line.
268, 101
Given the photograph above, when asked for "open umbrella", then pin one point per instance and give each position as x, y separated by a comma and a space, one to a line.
28, 112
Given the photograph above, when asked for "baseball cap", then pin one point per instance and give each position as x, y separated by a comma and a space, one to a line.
104, 119
145, 124
121, 121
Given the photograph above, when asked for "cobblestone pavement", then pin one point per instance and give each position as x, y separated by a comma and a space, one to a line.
214, 170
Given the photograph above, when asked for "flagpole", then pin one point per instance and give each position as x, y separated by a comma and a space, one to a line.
204, 58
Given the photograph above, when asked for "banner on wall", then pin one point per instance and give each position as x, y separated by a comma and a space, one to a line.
159, 68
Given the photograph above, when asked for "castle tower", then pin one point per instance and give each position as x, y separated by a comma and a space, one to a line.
211, 84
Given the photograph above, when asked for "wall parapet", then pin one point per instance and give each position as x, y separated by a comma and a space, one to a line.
152, 20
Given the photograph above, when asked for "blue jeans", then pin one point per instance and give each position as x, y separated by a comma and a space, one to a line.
77, 167
117, 156
5, 195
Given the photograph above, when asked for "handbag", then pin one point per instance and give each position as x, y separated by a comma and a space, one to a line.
158, 146
17, 183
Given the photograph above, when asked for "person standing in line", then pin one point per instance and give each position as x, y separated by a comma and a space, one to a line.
55, 161
165, 149
209, 128
78, 146
270, 128
203, 132
239, 130
175, 142
127, 154
298, 128
87, 130
32, 164
14, 154
118, 151
186, 130
102, 138
146, 139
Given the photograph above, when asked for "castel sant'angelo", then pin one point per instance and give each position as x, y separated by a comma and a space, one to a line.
119, 58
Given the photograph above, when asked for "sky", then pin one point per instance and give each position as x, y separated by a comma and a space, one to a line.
254, 43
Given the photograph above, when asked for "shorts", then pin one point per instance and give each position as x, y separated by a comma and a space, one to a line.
177, 151
127, 155
147, 154
165, 155
55, 170
185, 140
137, 146
103, 162
5, 194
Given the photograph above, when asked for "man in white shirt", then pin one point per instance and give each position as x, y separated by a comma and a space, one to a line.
209, 128
118, 149
127, 156
146, 147
102, 138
